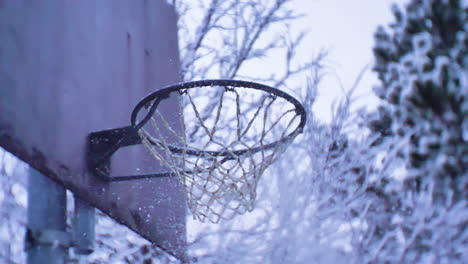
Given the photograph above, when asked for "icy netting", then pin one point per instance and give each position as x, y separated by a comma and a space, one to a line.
223, 145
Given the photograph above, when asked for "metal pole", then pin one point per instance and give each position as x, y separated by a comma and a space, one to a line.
47, 240
83, 227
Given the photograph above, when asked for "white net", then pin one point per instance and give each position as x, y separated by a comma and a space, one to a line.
225, 142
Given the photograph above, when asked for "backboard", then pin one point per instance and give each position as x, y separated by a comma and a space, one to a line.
69, 68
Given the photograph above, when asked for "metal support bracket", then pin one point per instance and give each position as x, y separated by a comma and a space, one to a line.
103, 144
48, 237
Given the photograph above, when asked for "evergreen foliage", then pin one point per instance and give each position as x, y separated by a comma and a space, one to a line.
422, 65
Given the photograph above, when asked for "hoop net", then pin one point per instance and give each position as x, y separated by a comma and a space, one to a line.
222, 146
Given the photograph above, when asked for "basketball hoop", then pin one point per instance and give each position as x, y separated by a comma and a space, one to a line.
227, 134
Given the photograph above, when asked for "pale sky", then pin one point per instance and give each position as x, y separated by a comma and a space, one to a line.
345, 28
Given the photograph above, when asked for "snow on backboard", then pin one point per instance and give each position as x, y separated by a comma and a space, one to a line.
69, 68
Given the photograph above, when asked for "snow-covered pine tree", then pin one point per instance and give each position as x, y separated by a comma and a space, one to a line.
422, 64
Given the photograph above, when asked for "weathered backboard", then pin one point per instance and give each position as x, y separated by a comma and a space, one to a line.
69, 68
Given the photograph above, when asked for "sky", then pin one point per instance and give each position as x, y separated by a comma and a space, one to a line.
345, 28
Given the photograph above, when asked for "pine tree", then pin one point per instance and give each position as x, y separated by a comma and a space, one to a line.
422, 65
